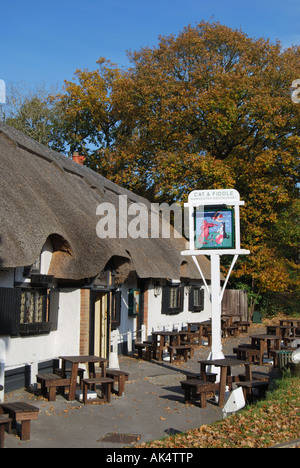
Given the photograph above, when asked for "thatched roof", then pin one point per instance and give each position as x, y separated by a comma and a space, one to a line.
44, 193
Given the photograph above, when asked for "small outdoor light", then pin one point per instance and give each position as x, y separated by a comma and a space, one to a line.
187, 289
157, 289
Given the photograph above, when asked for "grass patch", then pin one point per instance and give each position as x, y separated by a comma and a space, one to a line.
276, 419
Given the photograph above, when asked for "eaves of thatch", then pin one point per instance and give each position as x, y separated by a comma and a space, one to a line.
46, 194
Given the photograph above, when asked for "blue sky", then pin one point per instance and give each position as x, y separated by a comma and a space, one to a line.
44, 42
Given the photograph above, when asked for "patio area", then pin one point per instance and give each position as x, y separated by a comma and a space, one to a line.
153, 406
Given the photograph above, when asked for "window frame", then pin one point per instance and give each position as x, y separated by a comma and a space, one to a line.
166, 298
11, 321
192, 307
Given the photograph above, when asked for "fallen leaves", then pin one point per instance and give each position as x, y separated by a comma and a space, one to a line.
271, 421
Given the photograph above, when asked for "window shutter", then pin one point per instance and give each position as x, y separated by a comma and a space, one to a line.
191, 300
181, 298
10, 306
199, 306
165, 300
116, 310
202, 299
53, 309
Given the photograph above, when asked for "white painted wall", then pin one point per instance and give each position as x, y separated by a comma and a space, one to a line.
128, 324
158, 321
30, 350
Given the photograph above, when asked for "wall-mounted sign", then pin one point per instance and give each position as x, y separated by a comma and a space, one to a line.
133, 302
214, 229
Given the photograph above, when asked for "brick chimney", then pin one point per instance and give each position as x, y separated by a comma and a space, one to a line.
78, 159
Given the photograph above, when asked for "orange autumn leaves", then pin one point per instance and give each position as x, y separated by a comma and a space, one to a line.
208, 108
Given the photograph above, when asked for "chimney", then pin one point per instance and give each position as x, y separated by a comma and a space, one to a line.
78, 159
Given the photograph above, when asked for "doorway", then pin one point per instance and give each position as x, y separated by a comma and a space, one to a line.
100, 320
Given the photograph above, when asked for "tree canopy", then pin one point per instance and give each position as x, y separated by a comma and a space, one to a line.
208, 108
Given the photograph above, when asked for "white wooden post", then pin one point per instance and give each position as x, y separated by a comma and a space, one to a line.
2, 368
143, 332
198, 199
216, 341
129, 342
113, 355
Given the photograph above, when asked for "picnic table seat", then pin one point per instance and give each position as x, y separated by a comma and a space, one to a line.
50, 383
148, 347
60, 373
119, 377
20, 412
106, 386
248, 387
263, 376
180, 350
195, 388
209, 376
5, 421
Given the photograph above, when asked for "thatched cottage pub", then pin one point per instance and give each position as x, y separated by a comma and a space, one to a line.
65, 290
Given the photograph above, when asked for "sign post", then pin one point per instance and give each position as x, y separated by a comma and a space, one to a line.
214, 231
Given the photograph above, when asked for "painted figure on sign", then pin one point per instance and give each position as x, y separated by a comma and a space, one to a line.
221, 234
218, 217
205, 231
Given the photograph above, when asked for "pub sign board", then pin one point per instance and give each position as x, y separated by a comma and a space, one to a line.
214, 228
214, 222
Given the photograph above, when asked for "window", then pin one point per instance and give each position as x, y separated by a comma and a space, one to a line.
196, 299
33, 306
172, 299
28, 311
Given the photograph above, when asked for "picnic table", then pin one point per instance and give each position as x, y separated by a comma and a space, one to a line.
292, 322
283, 330
225, 364
173, 336
263, 342
75, 361
202, 327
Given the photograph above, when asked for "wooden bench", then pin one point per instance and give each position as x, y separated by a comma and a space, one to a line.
248, 387
180, 350
148, 347
50, 383
194, 388
106, 386
209, 376
4, 422
22, 413
60, 373
255, 376
119, 377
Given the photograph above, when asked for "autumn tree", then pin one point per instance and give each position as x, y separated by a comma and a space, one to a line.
90, 122
211, 108
208, 108
35, 113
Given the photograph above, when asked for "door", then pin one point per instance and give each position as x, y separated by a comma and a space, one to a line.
100, 327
